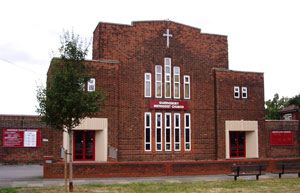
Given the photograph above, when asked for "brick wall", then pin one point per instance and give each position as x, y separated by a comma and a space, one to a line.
283, 151
148, 169
29, 155
230, 108
138, 48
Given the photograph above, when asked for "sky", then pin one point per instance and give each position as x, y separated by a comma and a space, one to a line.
263, 36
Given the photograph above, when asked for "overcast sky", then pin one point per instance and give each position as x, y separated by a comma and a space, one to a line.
263, 36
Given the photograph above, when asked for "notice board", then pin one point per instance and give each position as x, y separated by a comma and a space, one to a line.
282, 138
22, 138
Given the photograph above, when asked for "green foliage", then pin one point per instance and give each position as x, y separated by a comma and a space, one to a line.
274, 105
65, 101
295, 100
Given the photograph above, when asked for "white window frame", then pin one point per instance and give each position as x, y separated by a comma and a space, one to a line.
244, 91
147, 81
176, 82
157, 127
236, 89
288, 117
168, 76
187, 127
91, 82
158, 81
148, 127
170, 130
179, 132
189, 86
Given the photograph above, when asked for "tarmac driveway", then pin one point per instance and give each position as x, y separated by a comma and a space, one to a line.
20, 172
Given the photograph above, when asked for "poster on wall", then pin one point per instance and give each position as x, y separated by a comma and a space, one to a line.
280, 138
21, 138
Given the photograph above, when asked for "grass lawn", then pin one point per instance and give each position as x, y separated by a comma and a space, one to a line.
268, 185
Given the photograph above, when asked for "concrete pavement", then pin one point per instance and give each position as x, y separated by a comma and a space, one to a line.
31, 176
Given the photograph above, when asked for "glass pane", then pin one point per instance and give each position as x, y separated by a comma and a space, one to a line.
168, 120
89, 157
187, 121
78, 157
147, 146
158, 120
158, 77
158, 90
177, 146
89, 151
89, 140
176, 90
168, 147
147, 76
187, 135
148, 135
168, 90
78, 151
187, 146
158, 146
158, 137
176, 135
186, 94
78, 139
148, 120
158, 69
176, 121
186, 79
176, 78
168, 137
168, 69
147, 88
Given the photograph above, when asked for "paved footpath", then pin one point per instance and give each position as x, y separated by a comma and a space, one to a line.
31, 176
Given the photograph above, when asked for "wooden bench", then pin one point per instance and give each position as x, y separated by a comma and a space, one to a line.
247, 170
287, 168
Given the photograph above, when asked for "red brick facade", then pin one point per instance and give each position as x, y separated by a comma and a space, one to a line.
204, 57
51, 140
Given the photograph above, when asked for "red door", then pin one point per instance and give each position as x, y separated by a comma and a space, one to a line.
84, 145
237, 144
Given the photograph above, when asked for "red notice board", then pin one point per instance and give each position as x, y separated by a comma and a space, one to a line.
22, 138
282, 138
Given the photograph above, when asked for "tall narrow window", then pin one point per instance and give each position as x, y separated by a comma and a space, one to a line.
168, 132
147, 131
177, 132
147, 84
187, 87
158, 132
91, 85
176, 82
244, 92
187, 131
236, 92
167, 77
158, 81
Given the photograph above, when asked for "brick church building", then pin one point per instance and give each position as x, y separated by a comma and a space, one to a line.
171, 96
173, 107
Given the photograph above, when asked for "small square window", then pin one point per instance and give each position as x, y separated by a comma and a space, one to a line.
91, 85
236, 92
244, 92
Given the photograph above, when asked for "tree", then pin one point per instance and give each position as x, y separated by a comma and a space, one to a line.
64, 103
295, 100
274, 105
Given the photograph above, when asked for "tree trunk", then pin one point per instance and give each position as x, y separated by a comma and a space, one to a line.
66, 169
71, 160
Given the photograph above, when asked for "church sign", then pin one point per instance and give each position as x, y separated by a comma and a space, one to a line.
172, 105
21, 138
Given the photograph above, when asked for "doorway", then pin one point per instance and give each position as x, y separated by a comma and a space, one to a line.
84, 146
237, 144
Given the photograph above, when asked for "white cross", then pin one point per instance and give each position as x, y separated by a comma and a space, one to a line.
168, 35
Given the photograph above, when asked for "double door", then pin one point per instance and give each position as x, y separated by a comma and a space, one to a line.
237, 144
84, 145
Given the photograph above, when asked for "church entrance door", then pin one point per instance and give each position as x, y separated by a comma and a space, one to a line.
84, 145
237, 144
